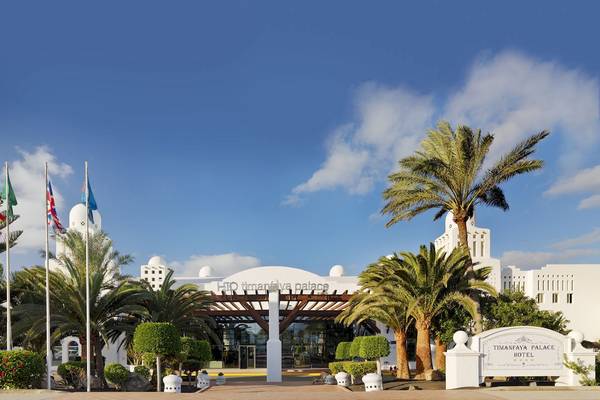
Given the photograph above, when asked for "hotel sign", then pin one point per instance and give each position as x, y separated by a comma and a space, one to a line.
230, 286
522, 352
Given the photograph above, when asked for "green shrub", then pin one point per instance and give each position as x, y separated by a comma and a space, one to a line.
196, 349
21, 369
142, 370
355, 346
336, 367
358, 369
148, 358
374, 347
191, 365
342, 351
116, 374
158, 338
71, 372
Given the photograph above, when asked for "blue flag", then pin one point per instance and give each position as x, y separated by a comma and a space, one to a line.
91, 200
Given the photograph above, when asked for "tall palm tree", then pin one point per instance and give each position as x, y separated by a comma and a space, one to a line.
115, 301
428, 283
381, 302
447, 174
184, 306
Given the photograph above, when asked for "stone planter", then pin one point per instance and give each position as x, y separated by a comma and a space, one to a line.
220, 380
330, 380
203, 381
373, 382
172, 384
343, 379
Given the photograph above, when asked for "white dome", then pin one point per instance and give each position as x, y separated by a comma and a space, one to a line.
77, 217
205, 272
156, 261
336, 271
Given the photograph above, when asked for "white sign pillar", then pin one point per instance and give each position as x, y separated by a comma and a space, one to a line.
462, 364
274, 344
580, 355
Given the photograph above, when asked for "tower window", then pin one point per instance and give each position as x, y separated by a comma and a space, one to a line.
570, 298
539, 298
555, 297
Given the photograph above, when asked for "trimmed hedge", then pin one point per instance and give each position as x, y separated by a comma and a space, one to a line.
142, 370
116, 374
196, 349
71, 372
337, 366
342, 351
374, 347
21, 369
359, 369
158, 338
355, 347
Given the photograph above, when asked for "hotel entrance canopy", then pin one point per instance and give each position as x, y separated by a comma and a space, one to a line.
293, 307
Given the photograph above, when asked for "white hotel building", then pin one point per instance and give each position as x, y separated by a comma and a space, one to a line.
307, 303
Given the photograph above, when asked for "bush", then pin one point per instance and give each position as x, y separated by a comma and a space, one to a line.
21, 369
374, 347
342, 351
142, 370
72, 372
196, 349
158, 338
191, 365
355, 346
359, 369
336, 367
116, 374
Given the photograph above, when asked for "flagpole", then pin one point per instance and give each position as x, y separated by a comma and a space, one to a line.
8, 306
48, 349
87, 282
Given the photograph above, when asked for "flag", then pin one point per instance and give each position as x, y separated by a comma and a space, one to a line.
91, 201
8, 194
52, 215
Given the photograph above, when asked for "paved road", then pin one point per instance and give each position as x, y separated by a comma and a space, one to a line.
296, 392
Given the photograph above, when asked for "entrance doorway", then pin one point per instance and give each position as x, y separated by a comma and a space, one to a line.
247, 354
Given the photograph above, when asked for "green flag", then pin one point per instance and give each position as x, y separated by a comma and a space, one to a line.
12, 199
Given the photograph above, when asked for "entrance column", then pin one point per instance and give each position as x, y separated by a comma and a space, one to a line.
273, 344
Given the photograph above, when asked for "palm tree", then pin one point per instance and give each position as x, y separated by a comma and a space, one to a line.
184, 306
429, 282
115, 301
14, 234
381, 302
447, 174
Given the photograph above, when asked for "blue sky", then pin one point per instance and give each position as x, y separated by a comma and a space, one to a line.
245, 133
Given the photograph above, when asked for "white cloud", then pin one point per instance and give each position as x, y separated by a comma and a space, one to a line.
585, 180
568, 250
590, 202
514, 96
530, 259
589, 238
510, 94
221, 264
27, 178
389, 124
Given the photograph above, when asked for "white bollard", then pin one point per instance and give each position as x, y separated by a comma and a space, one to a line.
172, 384
373, 382
203, 380
343, 379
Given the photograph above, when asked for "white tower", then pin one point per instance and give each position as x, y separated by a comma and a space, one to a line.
479, 246
154, 272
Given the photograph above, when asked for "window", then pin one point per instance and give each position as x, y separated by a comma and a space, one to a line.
153, 279
539, 298
153, 271
160, 272
146, 272
570, 298
555, 297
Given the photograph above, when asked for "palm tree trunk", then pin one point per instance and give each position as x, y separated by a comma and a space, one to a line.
423, 352
99, 360
403, 371
82, 344
440, 357
463, 241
